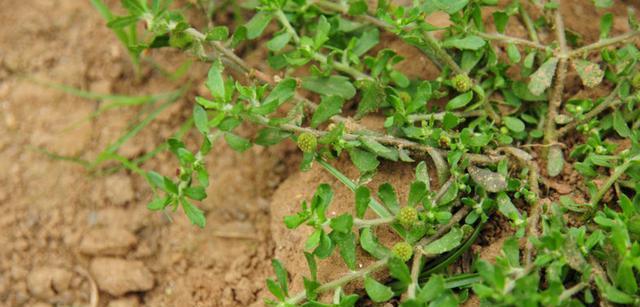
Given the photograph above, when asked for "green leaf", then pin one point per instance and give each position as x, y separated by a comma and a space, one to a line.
279, 41
606, 22
271, 136
490, 181
281, 274
237, 143
432, 289
158, 204
121, 22
387, 195
325, 248
379, 149
603, 4
367, 41
200, 119
329, 106
322, 32
521, 90
448, 242
422, 174
313, 267
195, 215
257, 24
197, 193
620, 125
342, 223
555, 161
399, 270
450, 121
214, 82
513, 123
590, 73
218, 33
275, 289
614, 295
450, 6
417, 191
135, 7
459, 101
372, 97
363, 197
500, 19
335, 85
363, 160
346, 242
369, 243
377, 292
470, 42
513, 53
541, 79
506, 207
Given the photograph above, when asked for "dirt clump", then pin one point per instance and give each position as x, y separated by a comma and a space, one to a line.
107, 242
118, 276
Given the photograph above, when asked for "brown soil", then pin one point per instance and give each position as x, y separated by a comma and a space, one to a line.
65, 230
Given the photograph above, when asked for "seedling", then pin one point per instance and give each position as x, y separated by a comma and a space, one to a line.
499, 135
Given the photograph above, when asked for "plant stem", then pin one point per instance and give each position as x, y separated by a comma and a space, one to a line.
510, 40
415, 274
287, 26
440, 115
599, 45
610, 101
558, 89
360, 223
618, 171
528, 23
379, 209
356, 74
567, 294
455, 219
374, 267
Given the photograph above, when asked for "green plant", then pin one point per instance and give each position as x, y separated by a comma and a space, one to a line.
480, 144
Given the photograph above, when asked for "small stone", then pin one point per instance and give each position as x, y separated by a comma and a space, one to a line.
119, 189
129, 301
107, 242
118, 276
45, 282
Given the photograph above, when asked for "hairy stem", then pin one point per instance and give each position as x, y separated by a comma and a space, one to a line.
617, 172
599, 45
610, 101
376, 266
510, 40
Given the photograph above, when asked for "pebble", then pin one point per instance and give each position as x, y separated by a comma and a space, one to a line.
45, 282
118, 276
107, 242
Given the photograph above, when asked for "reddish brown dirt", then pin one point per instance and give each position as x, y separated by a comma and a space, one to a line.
61, 223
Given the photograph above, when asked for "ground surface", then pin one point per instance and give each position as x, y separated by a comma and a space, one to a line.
60, 222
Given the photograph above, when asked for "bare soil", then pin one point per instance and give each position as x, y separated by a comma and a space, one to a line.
65, 231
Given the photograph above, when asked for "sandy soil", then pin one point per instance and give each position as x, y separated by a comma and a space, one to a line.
63, 228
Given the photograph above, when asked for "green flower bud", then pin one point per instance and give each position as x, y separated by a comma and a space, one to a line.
504, 130
403, 251
407, 216
307, 142
462, 83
